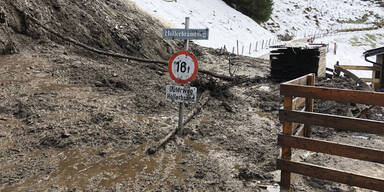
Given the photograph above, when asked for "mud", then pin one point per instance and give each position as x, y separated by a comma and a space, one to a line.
71, 120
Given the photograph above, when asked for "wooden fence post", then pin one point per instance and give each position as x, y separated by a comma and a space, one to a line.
237, 44
233, 50
334, 49
286, 152
242, 50
380, 59
309, 102
250, 45
256, 47
379, 74
262, 45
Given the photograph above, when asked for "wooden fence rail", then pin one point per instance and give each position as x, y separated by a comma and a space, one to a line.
298, 122
376, 70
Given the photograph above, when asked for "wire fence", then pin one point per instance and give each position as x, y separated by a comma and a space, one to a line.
309, 36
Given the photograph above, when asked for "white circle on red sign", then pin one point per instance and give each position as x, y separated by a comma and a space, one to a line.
183, 67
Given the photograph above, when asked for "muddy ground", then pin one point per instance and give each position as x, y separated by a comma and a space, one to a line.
73, 120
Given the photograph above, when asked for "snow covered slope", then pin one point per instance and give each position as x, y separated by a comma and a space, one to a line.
298, 17
225, 24
350, 48
309, 16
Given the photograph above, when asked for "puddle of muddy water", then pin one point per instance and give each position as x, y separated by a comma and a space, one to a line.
80, 168
88, 168
20, 69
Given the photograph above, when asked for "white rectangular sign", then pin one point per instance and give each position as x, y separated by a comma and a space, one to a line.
190, 34
180, 94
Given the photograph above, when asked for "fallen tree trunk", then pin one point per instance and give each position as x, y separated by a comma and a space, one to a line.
123, 56
154, 148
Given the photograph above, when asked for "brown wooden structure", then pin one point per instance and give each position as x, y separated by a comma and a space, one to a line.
291, 62
297, 129
378, 67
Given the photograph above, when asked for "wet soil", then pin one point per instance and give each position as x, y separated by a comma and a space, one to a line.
72, 120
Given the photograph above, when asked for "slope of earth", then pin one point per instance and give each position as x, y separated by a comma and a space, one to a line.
108, 25
226, 25
74, 120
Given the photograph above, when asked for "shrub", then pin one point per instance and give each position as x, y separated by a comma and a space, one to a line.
258, 10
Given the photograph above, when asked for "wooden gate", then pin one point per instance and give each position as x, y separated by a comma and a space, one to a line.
298, 122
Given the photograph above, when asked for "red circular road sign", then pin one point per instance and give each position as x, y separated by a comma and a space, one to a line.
182, 67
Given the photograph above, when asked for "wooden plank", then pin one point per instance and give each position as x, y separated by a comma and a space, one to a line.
334, 121
296, 126
330, 174
371, 80
332, 148
354, 77
354, 67
297, 102
299, 130
340, 95
380, 60
300, 80
309, 102
286, 152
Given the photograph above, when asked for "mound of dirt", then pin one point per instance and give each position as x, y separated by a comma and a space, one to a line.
73, 120
105, 24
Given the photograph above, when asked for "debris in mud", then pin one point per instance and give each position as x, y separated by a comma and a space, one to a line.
74, 120
248, 175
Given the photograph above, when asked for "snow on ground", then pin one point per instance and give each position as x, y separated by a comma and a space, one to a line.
225, 24
299, 17
350, 47
308, 16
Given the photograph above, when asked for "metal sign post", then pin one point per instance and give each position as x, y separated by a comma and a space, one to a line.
183, 68
181, 104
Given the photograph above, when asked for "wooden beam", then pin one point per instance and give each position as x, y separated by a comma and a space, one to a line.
371, 80
334, 121
339, 95
330, 174
354, 67
299, 130
286, 152
354, 77
332, 148
297, 102
300, 80
380, 61
309, 102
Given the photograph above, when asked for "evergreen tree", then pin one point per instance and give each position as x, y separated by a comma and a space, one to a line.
258, 10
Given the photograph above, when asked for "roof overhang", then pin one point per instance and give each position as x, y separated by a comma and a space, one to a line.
373, 52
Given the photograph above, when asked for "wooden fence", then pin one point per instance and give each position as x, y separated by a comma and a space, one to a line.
376, 70
297, 129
